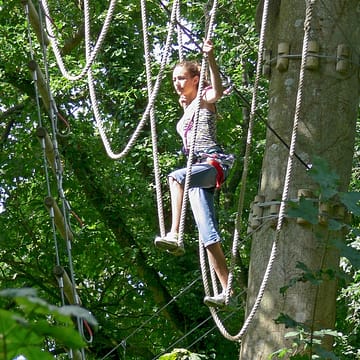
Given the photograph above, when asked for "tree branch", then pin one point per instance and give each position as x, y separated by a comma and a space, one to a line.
15, 110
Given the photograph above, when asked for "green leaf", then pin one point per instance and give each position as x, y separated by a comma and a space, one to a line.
292, 334
302, 266
351, 201
287, 321
291, 283
280, 353
326, 332
34, 305
67, 336
73, 310
327, 179
324, 354
31, 353
335, 225
23, 292
299, 357
352, 254
305, 209
15, 335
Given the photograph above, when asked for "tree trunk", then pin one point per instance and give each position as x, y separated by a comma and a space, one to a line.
326, 129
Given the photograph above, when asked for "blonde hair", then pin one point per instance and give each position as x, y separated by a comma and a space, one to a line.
193, 68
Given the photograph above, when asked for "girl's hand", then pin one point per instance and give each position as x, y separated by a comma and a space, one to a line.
208, 47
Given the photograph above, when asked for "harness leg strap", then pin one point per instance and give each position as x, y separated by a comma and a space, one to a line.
220, 172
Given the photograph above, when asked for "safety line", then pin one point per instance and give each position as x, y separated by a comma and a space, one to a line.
123, 342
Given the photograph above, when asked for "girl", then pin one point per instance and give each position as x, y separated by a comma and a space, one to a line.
205, 175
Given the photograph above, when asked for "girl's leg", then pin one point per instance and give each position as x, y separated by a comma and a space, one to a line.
176, 193
217, 260
203, 175
202, 204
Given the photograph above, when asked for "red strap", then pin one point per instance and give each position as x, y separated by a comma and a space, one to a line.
220, 172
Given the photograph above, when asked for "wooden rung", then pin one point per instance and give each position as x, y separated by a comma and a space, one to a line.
35, 23
69, 290
42, 134
77, 355
41, 83
63, 229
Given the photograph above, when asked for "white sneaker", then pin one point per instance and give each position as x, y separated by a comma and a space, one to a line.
218, 301
215, 301
169, 243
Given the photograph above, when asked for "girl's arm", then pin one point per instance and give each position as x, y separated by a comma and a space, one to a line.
214, 93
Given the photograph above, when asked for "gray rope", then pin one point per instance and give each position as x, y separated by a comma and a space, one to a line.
308, 18
150, 104
243, 182
281, 217
90, 57
194, 130
179, 32
238, 222
153, 121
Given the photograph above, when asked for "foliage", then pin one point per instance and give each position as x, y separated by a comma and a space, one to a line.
182, 354
308, 340
132, 289
143, 300
23, 331
306, 343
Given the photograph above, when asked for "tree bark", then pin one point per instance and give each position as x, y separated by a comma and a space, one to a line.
326, 129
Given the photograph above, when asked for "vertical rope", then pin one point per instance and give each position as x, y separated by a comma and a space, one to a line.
244, 174
194, 130
153, 121
238, 222
179, 32
307, 24
298, 108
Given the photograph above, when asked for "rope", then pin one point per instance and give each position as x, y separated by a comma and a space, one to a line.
150, 104
191, 35
181, 292
194, 129
179, 32
152, 120
58, 174
298, 108
207, 319
247, 323
253, 110
242, 191
91, 57
308, 18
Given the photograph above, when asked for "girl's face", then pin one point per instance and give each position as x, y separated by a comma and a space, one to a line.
185, 85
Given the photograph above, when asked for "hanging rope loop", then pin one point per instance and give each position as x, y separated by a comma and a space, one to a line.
91, 55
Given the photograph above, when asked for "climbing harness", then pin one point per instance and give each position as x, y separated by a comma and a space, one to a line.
220, 161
